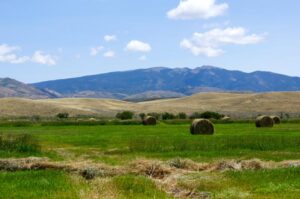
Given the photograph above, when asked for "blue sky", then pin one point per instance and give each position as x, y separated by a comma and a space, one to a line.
43, 40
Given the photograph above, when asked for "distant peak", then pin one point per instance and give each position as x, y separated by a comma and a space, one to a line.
7, 79
156, 69
207, 67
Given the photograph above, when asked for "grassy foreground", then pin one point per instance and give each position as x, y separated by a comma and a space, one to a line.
117, 144
121, 144
40, 184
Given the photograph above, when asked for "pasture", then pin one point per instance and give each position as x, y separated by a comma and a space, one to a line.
177, 160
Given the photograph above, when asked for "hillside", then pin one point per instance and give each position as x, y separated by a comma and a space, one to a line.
153, 95
184, 81
12, 88
243, 105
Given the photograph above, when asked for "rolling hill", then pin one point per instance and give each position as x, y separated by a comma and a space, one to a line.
238, 105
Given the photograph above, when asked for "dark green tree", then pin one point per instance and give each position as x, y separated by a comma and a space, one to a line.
62, 115
125, 115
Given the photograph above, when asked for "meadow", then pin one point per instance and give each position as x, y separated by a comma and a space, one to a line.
168, 144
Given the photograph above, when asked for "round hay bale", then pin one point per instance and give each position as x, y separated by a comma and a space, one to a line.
202, 127
276, 119
149, 120
92, 120
264, 122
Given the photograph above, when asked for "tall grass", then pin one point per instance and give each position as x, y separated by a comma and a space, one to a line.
23, 143
68, 122
211, 143
40, 184
130, 186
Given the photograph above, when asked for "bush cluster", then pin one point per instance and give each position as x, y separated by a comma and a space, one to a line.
207, 115
183, 116
62, 115
125, 115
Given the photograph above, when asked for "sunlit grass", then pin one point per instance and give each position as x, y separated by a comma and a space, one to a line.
125, 142
121, 144
251, 184
39, 184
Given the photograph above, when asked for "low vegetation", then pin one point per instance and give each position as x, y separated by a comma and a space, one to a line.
130, 186
20, 143
125, 115
41, 184
62, 115
206, 115
93, 158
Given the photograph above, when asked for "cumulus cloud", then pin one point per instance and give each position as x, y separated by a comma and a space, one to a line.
110, 38
209, 43
138, 46
197, 9
109, 54
42, 58
8, 55
96, 50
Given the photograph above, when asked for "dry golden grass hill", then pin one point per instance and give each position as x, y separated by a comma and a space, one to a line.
235, 104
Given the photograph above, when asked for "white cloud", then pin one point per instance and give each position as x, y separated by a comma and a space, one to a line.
138, 46
109, 54
143, 58
7, 55
42, 58
197, 9
209, 43
96, 50
6, 49
110, 38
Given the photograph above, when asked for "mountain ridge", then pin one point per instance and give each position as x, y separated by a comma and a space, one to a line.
152, 83
179, 80
13, 88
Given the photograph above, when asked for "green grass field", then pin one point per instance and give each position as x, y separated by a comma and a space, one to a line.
119, 145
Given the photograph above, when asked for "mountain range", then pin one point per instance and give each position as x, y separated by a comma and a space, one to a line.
153, 83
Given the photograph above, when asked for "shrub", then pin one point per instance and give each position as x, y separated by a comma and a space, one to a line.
62, 115
211, 115
142, 116
167, 116
182, 116
195, 115
125, 115
207, 115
